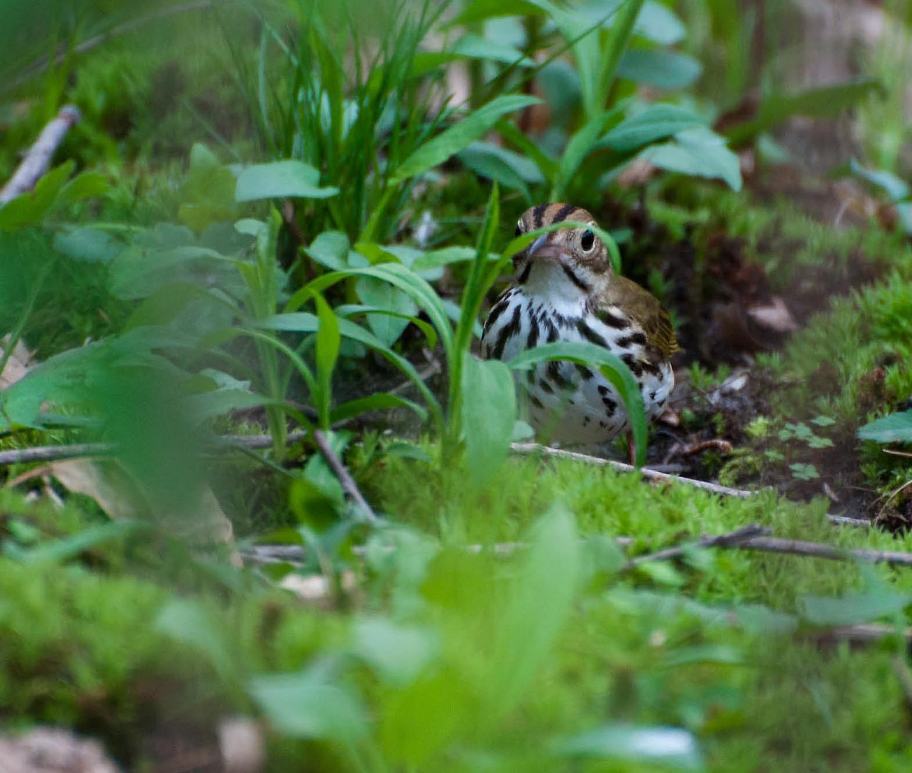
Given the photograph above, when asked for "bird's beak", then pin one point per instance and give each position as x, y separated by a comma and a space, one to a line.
542, 250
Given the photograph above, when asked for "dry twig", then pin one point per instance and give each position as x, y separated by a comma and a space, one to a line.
348, 483
732, 539
38, 158
531, 449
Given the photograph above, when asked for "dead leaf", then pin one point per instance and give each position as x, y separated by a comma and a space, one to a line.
774, 316
52, 750
120, 496
17, 365
242, 745
315, 589
104, 481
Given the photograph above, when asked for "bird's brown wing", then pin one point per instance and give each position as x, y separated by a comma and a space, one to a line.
646, 311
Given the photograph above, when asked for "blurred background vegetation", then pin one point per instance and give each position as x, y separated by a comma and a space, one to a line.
264, 252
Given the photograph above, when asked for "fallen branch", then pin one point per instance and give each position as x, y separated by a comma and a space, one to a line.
38, 158
531, 449
348, 483
54, 453
861, 634
828, 552
732, 539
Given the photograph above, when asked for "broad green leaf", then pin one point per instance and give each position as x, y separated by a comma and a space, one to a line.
87, 185
656, 122
445, 257
610, 366
208, 192
862, 607
817, 102
460, 135
30, 208
398, 653
281, 180
327, 353
666, 746
895, 428
660, 69
538, 608
329, 249
308, 704
506, 167
658, 23
87, 244
382, 295
488, 414
699, 152
189, 622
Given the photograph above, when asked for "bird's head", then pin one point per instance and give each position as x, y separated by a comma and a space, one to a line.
569, 260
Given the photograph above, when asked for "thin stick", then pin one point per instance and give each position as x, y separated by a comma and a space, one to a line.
38, 158
531, 449
864, 633
54, 453
732, 539
822, 550
348, 483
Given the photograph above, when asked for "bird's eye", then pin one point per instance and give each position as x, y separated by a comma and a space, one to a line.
587, 240
518, 230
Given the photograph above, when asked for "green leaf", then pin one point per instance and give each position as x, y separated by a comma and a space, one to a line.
699, 152
895, 428
647, 746
30, 208
895, 188
208, 192
379, 401
88, 185
329, 249
580, 145
488, 414
307, 704
863, 607
304, 322
539, 606
481, 10
281, 180
506, 167
67, 548
327, 353
817, 102
90, 245
189, 622
660, 69
398, 653
611, 367
460, 135
382, 295
656, 122
470, 47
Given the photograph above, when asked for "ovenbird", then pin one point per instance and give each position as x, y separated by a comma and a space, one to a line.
566, 290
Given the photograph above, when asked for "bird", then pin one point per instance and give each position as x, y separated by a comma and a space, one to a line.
565, 289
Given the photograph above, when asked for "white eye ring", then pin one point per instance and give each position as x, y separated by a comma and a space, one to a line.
587, 233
